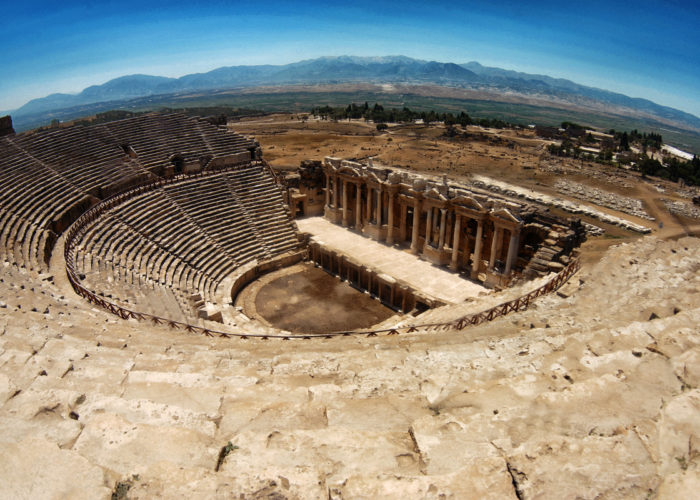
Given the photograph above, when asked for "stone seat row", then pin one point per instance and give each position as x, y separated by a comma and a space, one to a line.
46, 174
79, 164
138, 292
153, 138
193, 234
176, 273
132, 250
164, 226
33, 195
30, 206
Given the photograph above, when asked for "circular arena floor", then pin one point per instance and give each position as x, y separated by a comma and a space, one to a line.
306, 299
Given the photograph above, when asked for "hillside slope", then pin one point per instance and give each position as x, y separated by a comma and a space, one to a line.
344, 69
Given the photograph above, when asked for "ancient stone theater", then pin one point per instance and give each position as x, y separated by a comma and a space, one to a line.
173, 218
179, 320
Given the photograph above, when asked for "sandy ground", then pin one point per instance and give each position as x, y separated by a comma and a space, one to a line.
303, 298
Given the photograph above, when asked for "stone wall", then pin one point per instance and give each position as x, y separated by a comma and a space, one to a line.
6, 126
304, 193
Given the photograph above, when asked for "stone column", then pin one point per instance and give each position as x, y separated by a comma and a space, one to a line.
358, 206
369, 204
495, 246
477, 248
379, 207
512, 250
345, 203
416, 224
328, 189
402, 222
390, 219
455, 242
336, 193
429, 225
443, 221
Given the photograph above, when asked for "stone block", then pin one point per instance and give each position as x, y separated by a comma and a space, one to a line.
116, 444
593, 467
36, 468
486, 479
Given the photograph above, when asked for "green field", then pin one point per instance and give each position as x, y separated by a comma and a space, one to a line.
303, 101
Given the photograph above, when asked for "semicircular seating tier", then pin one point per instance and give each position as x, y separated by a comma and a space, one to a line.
48, 178
169, 249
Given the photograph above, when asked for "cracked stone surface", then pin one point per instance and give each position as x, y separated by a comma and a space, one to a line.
590, 396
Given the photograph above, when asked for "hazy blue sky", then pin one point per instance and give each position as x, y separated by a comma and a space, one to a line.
641, 48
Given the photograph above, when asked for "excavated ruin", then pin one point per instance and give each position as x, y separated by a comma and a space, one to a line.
572, 383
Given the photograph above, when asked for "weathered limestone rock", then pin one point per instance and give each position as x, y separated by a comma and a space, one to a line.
146, 411
36, 468
382, 414
192, 391
7, 387
679, 432
165, 480
335, 453
103, 371
593, 467
576, 397
125, 448
54, 428
687, 367
487, 478
684, 484
445, 446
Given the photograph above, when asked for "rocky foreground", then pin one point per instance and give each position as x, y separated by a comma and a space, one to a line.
591, 396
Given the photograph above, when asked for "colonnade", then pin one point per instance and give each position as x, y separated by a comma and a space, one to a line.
393, 294
455, 232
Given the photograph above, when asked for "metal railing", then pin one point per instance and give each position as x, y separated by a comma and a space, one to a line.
81, 225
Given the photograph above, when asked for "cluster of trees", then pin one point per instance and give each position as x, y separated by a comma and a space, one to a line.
573, 127
380, 115
104, 117
674, 170
218, 115
575, 136
646, 141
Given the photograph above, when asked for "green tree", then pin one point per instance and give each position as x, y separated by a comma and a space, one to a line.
624, 142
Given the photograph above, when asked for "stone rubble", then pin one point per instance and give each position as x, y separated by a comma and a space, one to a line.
569, 206
608, 175
682, 208
607, 199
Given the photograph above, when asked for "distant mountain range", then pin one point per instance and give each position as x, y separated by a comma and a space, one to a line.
348, 69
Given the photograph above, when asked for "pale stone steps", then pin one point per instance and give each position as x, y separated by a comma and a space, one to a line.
46, 173
115, 237
459, 413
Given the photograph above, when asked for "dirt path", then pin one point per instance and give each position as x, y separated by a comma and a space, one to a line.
654, 205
